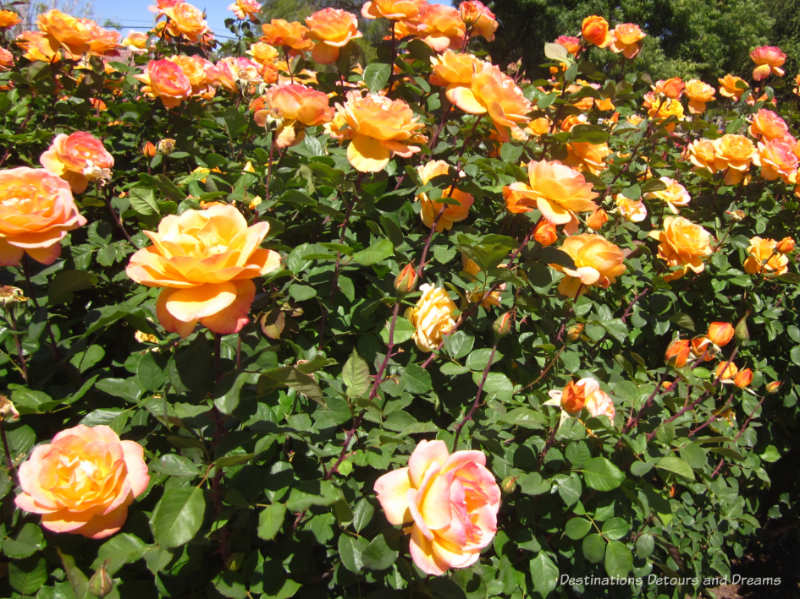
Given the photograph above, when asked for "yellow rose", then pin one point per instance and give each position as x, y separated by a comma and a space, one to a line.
683, 244
432, 317
763, 257
597, 262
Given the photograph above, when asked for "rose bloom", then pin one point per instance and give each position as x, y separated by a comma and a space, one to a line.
71, 34
331, 29
377, 127
78, 158
479, 19
786, 245
6, 59
671, 88
295, 107
731, 86
203, 75
204, 260
734, 153
627, 39
585, 393
394, 10
683, 244
699, 94
720, 333
594, 30
661, 109
83, 481
246, 9
8, 18
588, 156
777, 158
439, 26
187, 20
571, 43
545, 232
449, 501
36, 211
540, 126
453, 70
764, 258
725, 371
677, 353
557, 190
743, 378
674, 194
703, 348
292, 35
136, 41
595, 222
37, 47
702, 154
597, 262
432, 317
632, 210
447, 214
165, 80
769, 60
768, 125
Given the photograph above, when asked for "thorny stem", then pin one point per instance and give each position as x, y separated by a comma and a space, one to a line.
475, 404
425, 249
712, 418
9, 463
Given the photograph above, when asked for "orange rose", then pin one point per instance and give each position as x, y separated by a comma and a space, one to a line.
597, 262
8, 18
187, 20
36, 211
631, 210
453, 69
478, 19
743, 378
71, 34
331, 29
6, 59
585, 393
683, 244
720, 333
557, 190
768, 125
571, 43
699, 94
233, 71
677, 353
661, 109
731, 86
135, 41
406, 280
246, 9
439, 26
595, 222
202, 74
37, 47
540, 125
702, 153
588, 156
734, 153
431, 317
78, 158
703, 348
725, 371
291, 35
674, 194
627, 39
449, 502
764, 258
446, 213
165, 80
83, 481
394, 10
545, 232
378, 128
785, 245
671, 88
594, 30
204, 260
777, 158
295, 107
769, 60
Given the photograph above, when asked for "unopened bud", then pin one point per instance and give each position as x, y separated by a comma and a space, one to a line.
598, 218
574, 332
677, 353
545, 232
720, 333
406, 281
743, 378
149, 149
509, 485
503, 324
773, 386
100, 584
785, 245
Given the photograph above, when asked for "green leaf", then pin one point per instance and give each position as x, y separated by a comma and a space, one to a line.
301, 293
377, 252
362, 514
77, 579
496, 384
676, 466
306, 493
615, 528
416, 380
639, 468
355, 375
403, 331
577, 528
143, 201
588, 133
85, 359
770, 454
570, 489
121, 549
532, 483
645, 545
172, 464
66, 282
270, 521
149, 374
29, 540
478, 359
600, 474
178, 515
459, 344
378, 555
593, 547
619, 559
544, 574
376, 76
350, 550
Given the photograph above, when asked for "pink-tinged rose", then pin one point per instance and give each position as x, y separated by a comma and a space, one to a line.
571, 43
83, 481
777, 159
626, 38
204, 260
78, 158
769, 60
291, 35
295, 107
187, 20
331, 29
478, 19
36, 211
449, 501
246, 9
768, 125
165, 80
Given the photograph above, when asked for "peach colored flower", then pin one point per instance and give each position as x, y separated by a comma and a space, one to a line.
677, 353
377, 127
78, 158
439, 26
777, 159
735, 154
763, 257
187, 20
8, 18
725, 371
165, 80
585, 393
786, 245
394, 10
447, 214
331, 29
557, 190
83, 481
661, 109
6, 59
246, 9
699, 94
595, 222
453, 69
743, 378
204, 260
587, 156
203, 74
673, 195
571, 43
64, 31
136, 41
449, 501
683, 244
103, 42
632, 210
720, 333
545, 232
36, 211
37, 47
431, 317
295, 107
479, 19
671, 88
768, 125
703, 348
769, 60
597, 262
702, 154
627, 39
731, 86
594, 30
233, 71
540, 126
291, 35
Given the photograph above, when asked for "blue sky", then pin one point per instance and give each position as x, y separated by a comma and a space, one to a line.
134, 13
